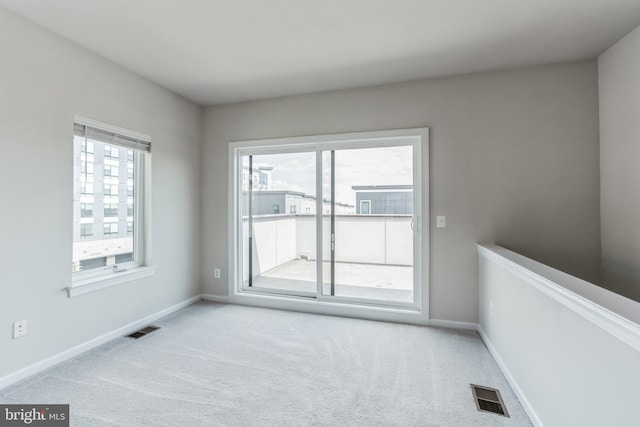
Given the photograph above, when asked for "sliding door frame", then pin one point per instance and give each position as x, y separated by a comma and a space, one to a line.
417, 312
250, 152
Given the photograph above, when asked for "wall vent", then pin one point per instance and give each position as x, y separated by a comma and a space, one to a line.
489, 400
143, 332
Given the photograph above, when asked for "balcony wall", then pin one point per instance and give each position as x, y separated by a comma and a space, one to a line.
367, 239
570, 349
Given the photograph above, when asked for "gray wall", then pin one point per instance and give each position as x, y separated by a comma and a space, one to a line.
619, 75
514, 160
44, 81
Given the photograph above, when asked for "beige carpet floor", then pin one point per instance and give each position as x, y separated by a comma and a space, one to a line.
226, 365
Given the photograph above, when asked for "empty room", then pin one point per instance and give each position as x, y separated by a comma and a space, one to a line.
305, 213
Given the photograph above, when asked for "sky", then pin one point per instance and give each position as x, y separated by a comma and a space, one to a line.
368, 166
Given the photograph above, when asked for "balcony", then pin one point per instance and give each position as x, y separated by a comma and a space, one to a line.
373, 254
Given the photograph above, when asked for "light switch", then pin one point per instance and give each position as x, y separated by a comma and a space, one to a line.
441, 221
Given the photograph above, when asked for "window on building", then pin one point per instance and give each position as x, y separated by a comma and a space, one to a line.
86, 230
111, 170
111, 151
276, 209
111, 209
87, 264
111, 190
124, 258
114, 148
86, 188
110, 228
293, 209
87, 166
86, 147
86, 210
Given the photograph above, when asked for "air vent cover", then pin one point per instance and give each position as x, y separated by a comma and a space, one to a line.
489, 400
143, 332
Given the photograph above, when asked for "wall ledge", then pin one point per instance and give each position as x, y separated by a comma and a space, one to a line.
613, 313
85, 286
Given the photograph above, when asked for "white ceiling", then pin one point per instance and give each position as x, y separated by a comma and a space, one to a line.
220, 51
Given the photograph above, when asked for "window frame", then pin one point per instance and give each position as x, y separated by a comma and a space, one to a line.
417, 313
83, 282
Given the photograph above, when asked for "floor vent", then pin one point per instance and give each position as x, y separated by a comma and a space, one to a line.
489, 400
143, 332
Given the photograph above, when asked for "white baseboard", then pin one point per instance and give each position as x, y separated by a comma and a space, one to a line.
216, 298
535, 420
452, 324
88, 345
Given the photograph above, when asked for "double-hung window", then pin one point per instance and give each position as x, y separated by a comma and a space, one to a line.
107, 240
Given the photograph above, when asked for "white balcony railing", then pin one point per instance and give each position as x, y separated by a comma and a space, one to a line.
366, 239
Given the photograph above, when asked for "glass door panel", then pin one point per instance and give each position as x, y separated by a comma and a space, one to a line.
368, 224
278, 223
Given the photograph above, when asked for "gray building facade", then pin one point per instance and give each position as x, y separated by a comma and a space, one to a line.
384, 199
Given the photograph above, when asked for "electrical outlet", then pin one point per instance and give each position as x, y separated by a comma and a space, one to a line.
491, 309
217, 273
19, 329
441, 221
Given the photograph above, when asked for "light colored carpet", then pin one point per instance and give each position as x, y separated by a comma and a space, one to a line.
226, 365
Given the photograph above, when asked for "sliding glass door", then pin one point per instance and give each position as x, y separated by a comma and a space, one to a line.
278, 222
368, 224
331, 220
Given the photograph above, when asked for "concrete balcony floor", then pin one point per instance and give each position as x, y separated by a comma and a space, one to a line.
371, 281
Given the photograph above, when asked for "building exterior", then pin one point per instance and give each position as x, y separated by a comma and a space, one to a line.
281, 202
261, 177
103, 204
290, 203
384, 199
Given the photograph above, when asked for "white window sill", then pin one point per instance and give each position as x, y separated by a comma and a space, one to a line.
85, 286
